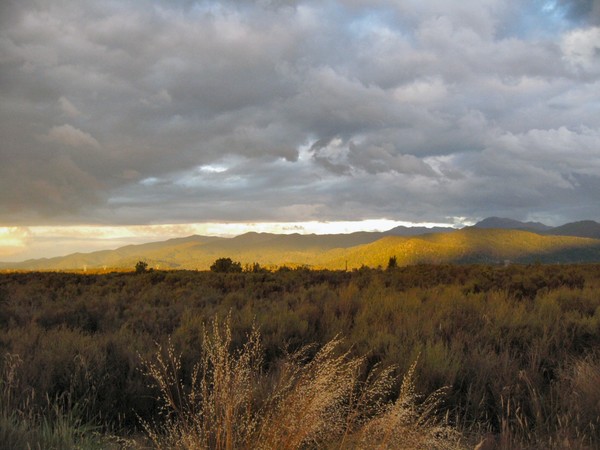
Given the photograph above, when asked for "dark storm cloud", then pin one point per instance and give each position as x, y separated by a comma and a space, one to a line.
583, 10
148, 112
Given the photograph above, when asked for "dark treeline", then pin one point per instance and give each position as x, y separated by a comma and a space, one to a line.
517, 345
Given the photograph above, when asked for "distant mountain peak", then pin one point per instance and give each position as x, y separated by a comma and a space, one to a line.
582, 228
511, 224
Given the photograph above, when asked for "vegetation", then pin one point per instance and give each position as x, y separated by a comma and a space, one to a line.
226, 265
310, 401
513, 350
141, 267
58, 424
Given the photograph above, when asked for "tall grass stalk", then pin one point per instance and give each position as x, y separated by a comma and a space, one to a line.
61, 424
314, 398
217, 411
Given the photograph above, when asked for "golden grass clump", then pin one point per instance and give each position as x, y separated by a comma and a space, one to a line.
311, 399
217, 410
409, 423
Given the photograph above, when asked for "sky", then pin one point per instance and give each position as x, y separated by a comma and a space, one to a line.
128, 121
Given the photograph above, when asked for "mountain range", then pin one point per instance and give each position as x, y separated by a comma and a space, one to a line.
493, 240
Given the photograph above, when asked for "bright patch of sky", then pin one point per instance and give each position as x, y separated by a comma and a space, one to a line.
373, 22
539, 19
209, 168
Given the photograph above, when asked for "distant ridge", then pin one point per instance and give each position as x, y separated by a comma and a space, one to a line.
511, 224
583, 228
340, 251
474, 245
416, 231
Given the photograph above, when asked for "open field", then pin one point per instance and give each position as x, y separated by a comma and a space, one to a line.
514, 350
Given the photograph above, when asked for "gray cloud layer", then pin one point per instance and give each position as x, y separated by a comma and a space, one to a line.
157, 112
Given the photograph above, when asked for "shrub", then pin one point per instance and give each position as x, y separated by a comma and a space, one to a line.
141, 267
226, 265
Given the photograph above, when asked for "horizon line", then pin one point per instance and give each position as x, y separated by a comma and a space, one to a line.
20, 243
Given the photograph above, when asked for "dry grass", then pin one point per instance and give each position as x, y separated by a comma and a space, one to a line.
217, 411
579, 424
59, 425
566, 417
585, 383
410, 423
312, 399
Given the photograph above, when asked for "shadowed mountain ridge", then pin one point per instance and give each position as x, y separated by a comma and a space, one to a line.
511, 224
583, 228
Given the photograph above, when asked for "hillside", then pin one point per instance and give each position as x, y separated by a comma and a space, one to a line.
198, 252
469, 245
165, 254
583, 228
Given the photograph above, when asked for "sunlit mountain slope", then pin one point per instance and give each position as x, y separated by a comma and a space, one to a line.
469, 245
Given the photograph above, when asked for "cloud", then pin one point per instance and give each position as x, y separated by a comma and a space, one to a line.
581, 50
421, 91
13, 240
70, 136
583, 10
112, 112
68, 108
